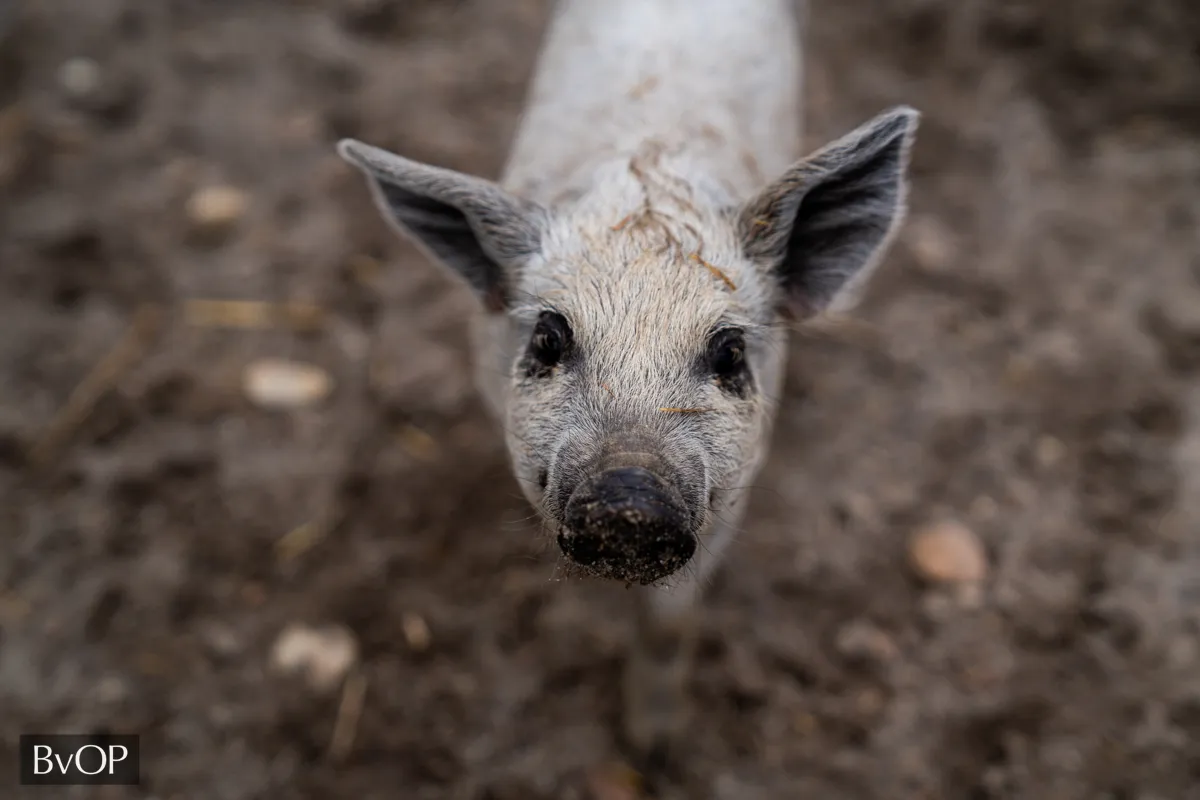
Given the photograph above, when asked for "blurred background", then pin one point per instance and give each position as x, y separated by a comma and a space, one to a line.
251, 508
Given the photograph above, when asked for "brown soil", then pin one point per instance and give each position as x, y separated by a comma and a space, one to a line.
1031, 368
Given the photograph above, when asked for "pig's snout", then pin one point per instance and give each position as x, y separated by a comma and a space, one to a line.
626, 523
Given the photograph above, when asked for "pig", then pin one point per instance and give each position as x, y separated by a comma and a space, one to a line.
654, 234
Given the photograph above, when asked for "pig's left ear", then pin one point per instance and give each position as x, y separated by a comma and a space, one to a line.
822, 227
469, 225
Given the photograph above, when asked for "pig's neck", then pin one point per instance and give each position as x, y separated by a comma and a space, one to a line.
714, 84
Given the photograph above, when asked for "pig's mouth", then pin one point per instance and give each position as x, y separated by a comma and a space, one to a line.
627, 524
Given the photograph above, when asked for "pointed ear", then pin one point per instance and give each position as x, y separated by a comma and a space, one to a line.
823, 226
470, 225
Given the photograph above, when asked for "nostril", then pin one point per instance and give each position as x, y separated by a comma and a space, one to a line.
629, 503
543, 478
620, 498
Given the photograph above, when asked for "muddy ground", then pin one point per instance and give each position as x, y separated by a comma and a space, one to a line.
1028, 363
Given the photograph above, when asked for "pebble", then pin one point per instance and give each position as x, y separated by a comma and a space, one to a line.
416, 631
282, 385
217, 207
79, 76
948, 552
323, 655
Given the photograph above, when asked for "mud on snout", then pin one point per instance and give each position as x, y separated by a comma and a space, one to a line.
629, 514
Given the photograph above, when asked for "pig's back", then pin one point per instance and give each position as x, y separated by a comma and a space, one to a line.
718, 79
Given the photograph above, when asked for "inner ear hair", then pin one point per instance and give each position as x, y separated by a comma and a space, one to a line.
471, 226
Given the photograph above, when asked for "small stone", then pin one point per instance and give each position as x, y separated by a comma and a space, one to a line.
216, 208
283, 385
79, 76
948, 552
416, 631
324, 655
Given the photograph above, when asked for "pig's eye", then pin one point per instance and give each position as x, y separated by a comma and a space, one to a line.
727, 360
550, 343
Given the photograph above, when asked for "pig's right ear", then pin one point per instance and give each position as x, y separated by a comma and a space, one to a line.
470, 225
823, 225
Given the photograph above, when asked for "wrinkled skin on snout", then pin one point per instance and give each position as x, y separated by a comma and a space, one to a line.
630, 336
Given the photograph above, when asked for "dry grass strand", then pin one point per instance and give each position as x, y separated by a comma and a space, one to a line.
103, 376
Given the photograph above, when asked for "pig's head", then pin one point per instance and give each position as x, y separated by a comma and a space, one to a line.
641, 323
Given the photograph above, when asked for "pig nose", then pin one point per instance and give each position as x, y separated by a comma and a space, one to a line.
626, 524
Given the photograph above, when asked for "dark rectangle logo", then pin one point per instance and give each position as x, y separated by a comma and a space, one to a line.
80, 760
